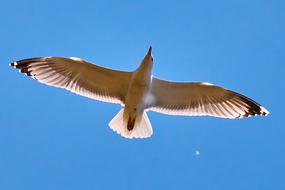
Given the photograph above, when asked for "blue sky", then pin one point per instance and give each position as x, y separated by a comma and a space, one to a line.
52, 139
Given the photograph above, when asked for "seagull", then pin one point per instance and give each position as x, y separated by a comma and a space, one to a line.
138, 92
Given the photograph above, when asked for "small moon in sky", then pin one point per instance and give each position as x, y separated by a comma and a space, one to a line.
197, 153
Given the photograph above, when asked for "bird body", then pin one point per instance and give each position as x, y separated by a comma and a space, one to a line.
134, 116
138, 92
139, 89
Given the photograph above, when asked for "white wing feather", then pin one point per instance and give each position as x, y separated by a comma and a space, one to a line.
78, 76
199, 99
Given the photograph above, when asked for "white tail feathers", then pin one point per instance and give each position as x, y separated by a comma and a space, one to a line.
142, 128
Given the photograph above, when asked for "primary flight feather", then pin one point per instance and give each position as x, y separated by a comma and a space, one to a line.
138, 92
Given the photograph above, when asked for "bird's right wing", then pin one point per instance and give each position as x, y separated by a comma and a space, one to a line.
78, 76
198, 98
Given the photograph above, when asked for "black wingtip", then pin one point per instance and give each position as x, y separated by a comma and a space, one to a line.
264, 111
12, 64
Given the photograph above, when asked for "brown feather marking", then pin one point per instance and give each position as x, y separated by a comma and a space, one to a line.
131, 123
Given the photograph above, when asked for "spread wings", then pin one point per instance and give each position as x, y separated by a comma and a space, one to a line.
198, 99
78, 76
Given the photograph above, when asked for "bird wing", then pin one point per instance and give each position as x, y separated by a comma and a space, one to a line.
78, 76
198, 99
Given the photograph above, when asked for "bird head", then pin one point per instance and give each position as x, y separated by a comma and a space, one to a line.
148, 58
147, 61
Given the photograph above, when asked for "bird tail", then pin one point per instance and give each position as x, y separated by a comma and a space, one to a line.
142, 126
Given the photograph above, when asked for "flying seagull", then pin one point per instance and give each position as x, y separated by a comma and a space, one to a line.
138, 92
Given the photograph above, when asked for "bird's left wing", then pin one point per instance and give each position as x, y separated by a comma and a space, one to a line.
197, 99
78, 76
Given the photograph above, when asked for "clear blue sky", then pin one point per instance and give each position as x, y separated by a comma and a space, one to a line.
51, 139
